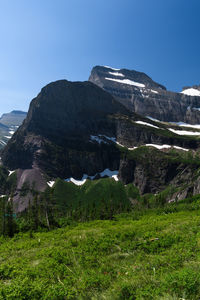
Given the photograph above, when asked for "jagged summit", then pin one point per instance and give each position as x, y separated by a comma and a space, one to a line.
123, 76
140, 94
14, 118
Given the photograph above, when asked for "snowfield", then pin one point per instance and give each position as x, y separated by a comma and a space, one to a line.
126, 81
106, 172
182, 124
116, 74
111, 68
50, 183
191, 92
155, 92
184, 132
160, 147
147, 124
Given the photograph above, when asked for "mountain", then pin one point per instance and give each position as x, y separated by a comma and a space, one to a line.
9, 123
58, 127
140, 94
77, 131
14, 118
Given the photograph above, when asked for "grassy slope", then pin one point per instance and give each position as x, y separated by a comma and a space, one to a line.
152, 254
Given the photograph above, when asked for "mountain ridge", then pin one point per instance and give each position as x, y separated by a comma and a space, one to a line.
140, 94
78, 130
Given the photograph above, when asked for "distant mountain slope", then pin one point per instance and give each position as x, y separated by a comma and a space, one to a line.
14, 118
9, 122
141, 94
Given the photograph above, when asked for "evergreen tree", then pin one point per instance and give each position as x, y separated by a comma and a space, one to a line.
10, 224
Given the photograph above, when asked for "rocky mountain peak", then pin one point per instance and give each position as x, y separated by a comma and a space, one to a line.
63, 114
109, 75
140, 94
14, 118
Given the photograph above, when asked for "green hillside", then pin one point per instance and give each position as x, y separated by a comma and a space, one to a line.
146, 254
95, 199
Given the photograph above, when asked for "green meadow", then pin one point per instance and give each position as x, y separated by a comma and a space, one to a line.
143, 254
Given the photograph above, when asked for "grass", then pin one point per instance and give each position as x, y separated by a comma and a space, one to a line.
146, 254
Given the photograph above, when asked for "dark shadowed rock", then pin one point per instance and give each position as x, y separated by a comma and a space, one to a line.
56, 133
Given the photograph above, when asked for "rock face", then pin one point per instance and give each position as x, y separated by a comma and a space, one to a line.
140, 94
152, 171
55, 136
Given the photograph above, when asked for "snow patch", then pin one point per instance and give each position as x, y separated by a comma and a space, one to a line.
191, 92
101, 138
152, 119
196, 108
126, 81
155, 92
132, 148
182, 124
97, 139
112, 139
50, 183
111, 68
109, 173
180, 148
184, 132
7, 137
147, 124
11, 172
160, 147
106, 172
11, 132
116, 74
75, 181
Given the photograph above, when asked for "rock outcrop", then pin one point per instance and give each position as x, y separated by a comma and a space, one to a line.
151, 171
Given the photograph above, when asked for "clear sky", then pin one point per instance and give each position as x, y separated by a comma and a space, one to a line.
46, 40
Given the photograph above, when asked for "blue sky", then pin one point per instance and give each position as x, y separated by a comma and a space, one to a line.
46, 40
